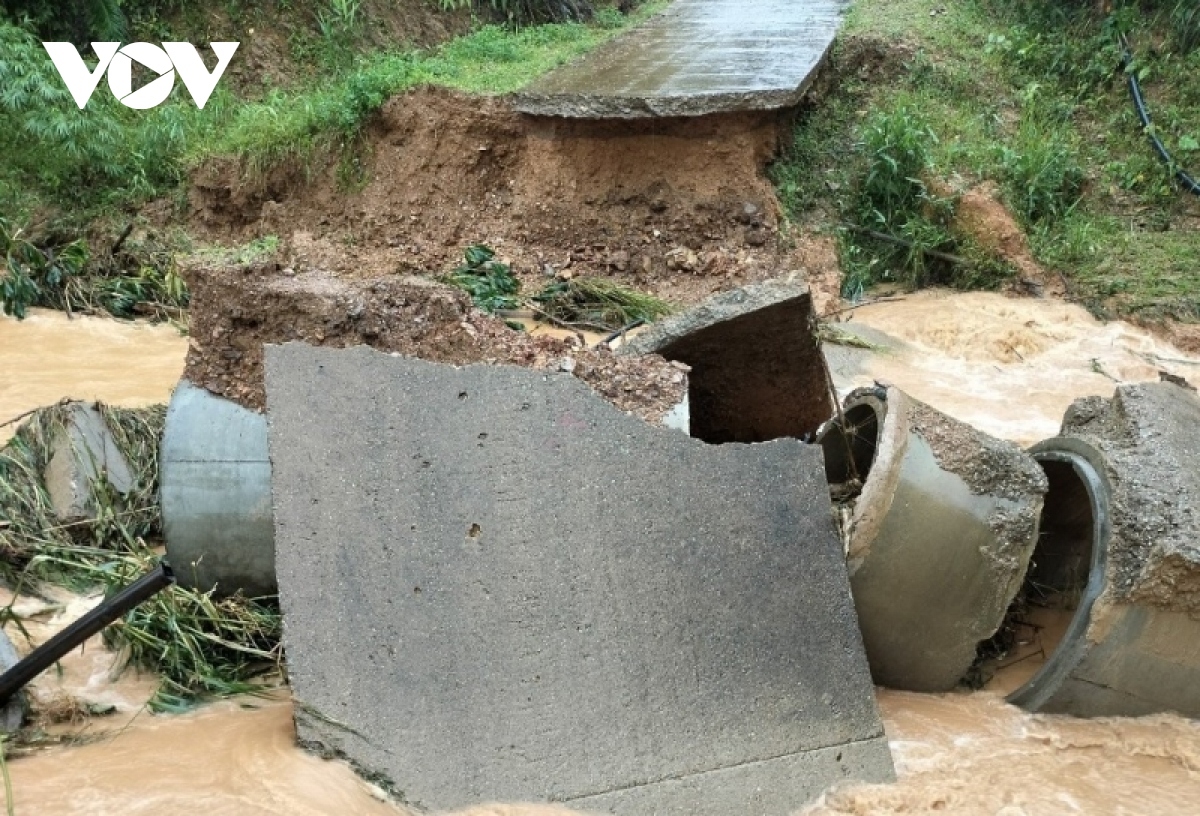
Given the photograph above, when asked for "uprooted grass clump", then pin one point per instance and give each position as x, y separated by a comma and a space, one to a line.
200, 646
599, 304
593, 303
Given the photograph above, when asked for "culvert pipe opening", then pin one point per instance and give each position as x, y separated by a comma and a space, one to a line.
1042, 636
849, 444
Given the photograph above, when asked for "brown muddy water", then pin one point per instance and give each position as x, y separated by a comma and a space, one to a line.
48, 356
1009, 366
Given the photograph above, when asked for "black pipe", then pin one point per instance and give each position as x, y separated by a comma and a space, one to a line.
1139, 104
49, 653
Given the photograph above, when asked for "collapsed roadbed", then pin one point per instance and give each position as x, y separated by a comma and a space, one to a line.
945, 531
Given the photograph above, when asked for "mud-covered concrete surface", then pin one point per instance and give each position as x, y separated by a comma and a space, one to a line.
236, 310
697, 57
518, 593
1150, 437
757, 372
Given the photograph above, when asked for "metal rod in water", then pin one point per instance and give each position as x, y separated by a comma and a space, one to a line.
46, 655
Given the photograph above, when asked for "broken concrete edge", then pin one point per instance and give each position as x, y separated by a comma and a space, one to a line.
721, 307
749, 57
236, 310
757, 372
939, 537
752, 786
634, 106
1146, 436
449, 481
1130, 646
85, 454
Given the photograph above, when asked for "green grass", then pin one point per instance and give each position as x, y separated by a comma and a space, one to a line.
293, 125
84, 164
1029, 95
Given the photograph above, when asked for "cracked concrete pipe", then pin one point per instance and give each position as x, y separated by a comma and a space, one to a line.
1118, 562
216, 494
939, 521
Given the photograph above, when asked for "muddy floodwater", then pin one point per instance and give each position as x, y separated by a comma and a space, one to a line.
1009, 366
48, 356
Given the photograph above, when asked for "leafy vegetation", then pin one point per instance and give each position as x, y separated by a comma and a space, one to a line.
937, 98
491, 284
28, 271
142, 280
199, 645
590, 302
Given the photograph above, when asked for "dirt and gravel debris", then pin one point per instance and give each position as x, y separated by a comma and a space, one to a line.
236, 310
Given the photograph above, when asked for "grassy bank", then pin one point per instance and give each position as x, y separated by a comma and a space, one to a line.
69, 174
934, 98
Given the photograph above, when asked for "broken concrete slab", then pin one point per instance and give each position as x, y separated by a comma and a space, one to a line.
939, 521
1120, 548
84, 452
498, 587
215, 490
216, 475
697, 57
757, 372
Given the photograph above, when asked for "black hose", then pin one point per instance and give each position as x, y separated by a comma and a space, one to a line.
49, 653
1139, 104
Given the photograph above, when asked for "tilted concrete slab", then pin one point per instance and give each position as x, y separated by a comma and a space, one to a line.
497, 586
697, 57
84, 452
1120, 545
757, 369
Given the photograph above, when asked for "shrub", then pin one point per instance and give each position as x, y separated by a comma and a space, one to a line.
897, 144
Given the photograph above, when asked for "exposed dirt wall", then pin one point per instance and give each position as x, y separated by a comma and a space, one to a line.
237, 310
679, 207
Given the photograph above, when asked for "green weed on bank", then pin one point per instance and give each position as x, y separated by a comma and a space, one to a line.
493, 60
1025, 94
87, 162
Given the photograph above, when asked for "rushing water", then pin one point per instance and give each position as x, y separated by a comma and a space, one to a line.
48, 356
1009, 366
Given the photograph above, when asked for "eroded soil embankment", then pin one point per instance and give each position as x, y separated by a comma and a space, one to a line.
236, 310
679, 207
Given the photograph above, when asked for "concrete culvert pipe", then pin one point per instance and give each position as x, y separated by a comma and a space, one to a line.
1108, 619
939, 521
216, 494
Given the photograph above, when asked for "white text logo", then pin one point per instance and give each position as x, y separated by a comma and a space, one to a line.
172, 58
